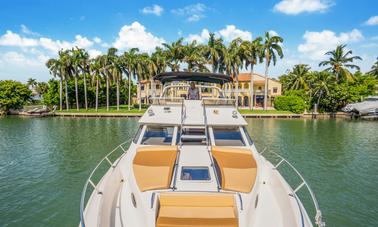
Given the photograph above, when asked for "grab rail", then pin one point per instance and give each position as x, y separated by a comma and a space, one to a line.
318, 215
165, 100
94, 186
207, 145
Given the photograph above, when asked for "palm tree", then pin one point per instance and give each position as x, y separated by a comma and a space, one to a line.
213, 52
159, 61
194, 57
31, 82
129, 60
298, 77
174, 54
233, 60
54, 67
141, 73
270, 49
66, 70
339, 62
322, 85
252, 55
374, 69
95, 68
81, 58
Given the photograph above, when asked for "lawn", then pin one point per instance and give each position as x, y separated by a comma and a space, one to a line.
247, 111
124, 109
112, 109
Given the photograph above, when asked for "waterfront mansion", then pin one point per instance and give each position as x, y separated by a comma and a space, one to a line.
244, 97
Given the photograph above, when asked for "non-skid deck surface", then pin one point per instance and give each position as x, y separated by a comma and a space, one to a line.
184, 210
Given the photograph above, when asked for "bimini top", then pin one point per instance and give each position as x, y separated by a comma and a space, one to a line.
193, 76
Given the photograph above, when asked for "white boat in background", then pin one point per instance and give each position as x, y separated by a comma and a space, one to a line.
367, 107
193, 163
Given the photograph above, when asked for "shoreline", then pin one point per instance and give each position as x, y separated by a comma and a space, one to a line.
245, 115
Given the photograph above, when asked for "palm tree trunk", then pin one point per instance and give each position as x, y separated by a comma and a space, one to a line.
97, 94
251, 103
66, 86
76, 94
266, 86
117, 94
61, 94
237, 90
107, 93
139, 96
85, 93
129, 102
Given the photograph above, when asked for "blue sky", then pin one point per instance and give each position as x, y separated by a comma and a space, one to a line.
31, 31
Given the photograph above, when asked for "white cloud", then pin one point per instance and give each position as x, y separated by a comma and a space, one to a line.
97, 40
82, 42
193, 13
318, 43
273, 33
135, 35
231, 32
28, 31
14, 39
15, 58
201, 38
94, 53
294, 7
372, 21
155, 9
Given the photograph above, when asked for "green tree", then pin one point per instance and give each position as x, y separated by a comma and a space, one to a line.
252, 55
374, 69
31, 82
174, 54
129, 61
13, 95
194, 56
233, 61
271, 49
340, 61
298, 77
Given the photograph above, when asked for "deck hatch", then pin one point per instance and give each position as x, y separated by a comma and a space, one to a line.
195, 173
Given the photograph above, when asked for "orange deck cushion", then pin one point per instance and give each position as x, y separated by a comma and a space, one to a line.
183, 209
153, 166
237, 166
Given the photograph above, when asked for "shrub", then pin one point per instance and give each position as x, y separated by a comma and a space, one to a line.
13, 95
291, 103
144, 106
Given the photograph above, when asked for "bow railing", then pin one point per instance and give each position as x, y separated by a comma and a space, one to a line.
94, 185
302, 185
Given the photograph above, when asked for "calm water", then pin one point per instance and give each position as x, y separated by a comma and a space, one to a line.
45, 161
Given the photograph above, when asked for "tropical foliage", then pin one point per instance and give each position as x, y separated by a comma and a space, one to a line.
114, 68
325, 89
13, 95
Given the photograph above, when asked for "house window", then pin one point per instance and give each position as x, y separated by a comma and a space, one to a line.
275, 89
142, 87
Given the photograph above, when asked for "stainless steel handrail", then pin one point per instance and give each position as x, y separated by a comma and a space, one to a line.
94, 186
165, 89
164, 100
318, 216
219, 101
207, 145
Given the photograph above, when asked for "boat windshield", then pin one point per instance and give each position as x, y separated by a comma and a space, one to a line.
230, 136
181, 90
158, 135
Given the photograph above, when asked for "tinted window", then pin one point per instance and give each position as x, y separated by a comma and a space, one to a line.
250, 141
228, 137
157, 135
195, 173
135, 140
